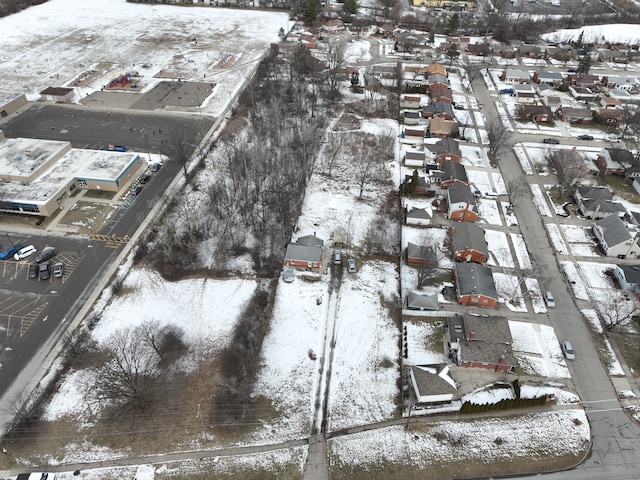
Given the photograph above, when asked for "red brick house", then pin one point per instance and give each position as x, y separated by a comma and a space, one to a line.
474, 285
461, 203
468, 243
306, 252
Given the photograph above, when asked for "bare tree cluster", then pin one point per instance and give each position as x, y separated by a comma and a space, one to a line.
139, 364
569, 166
498, 135
7, 7
617, 309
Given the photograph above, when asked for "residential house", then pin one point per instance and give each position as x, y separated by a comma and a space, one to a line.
608, 102
411, 117
586, 80
440, 127
610, 55
575, 116
410, 101
414, 158
306, 252
514, 76
609, 117
633, 217
445, 149
615, 239
554, 79
534, 113
423, 300
560, 53
474, 285
457, 5
388, 72
505, 51
583, 193
413, 134
422, 185
420, 254
582, 93
481, 342
438, 79
450, 173
595, 208
418, 216
530, 51
432, 385
468, 243
524, 93
478, 49
436, 68
614, 161
438, 109
628, 277
440, 93
461, 203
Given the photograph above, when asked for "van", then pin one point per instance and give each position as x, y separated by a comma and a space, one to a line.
548, 299
567, 350
25, 252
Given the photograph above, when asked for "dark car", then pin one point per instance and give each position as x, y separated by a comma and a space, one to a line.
506, 91
144, 178
9, 252
33, 270
45, 270
45, 254
457, 106
552, 141
155, 167
585, 137
116, 148
135, 190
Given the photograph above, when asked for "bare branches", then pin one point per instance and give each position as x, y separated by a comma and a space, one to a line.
498, 136
569, 166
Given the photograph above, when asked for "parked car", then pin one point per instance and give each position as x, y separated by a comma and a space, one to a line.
507, 91
567, 350
25, 252
155, 167
337, 257
480, 105
135, 190
33, 270
612, 138
45, 271
289, 275
585, 137
46, 254
144, 179
116, 148
351, 265
58, 270
552, 141
457, 106
10, 251
549, 300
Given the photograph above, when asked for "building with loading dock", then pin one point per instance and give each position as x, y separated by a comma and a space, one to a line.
36, 175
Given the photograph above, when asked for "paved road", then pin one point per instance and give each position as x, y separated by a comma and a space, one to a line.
616, 441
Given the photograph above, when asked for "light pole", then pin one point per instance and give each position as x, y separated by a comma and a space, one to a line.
10, 241
146, 142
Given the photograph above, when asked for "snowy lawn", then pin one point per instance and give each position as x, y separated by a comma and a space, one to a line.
538, 350
509, 291
499, 249
424, 342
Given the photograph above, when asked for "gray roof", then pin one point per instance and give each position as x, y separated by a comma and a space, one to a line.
417, 300
472, 278
620, 155
454, 170
414, 155
491, 340
604, 206
545, 75
437, 78
429, 380
595, 192
419, 251
438, 107
614, 230
310, 240
419, 213
446, 145
631, 273
468, 235
460, 192
305, 253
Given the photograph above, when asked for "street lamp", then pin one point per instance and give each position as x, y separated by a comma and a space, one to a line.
146, 142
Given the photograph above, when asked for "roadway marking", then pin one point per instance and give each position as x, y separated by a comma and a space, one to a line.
111, 241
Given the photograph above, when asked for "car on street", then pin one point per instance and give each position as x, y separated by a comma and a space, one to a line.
337, 257
116, 148
612, 138
457, 106
155, 167
351, 265
45, 271
47, 253
480, 105
585, 137
549, 300
25, 252
506, 91
58, 270
552, 141
10, 251
33, 270
135, 190
567, 350
144, 179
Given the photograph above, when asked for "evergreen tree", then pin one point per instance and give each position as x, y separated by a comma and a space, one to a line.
585, 64
454, 23
351, 6
310, 12
579, 43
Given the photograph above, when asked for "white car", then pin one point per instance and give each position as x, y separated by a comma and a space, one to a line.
549, 300
288, 275
25, 252
568, 351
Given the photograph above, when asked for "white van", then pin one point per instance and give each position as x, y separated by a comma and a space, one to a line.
25, 252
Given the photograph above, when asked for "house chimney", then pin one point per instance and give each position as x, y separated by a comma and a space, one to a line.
501, 359
471, 335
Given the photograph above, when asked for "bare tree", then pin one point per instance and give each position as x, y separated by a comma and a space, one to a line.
569, 166
335, 143
431, 254
335, 57
617, 308
518, 190
498, 135
179, 145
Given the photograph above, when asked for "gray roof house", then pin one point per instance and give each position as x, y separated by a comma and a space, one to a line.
475, 285
426, 299
628, 277
615, 239
306, 252
595, 208
468, 243
432, 384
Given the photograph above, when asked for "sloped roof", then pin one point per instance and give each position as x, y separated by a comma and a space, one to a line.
310, 240
454, 170
614, 230
418, 300
631, 273
446, 145
432, 380
423, 213
605, 206
468, 235
419, 251
305, 253
472, 278
460, 192
595, 192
